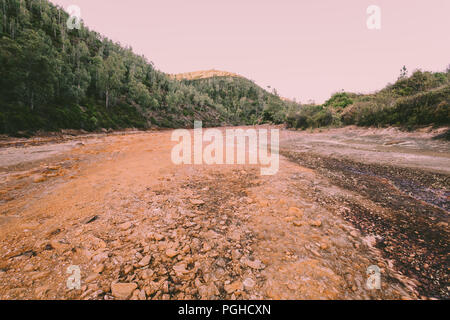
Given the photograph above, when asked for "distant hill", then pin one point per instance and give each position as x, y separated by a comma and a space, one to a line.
241, 98
195, 75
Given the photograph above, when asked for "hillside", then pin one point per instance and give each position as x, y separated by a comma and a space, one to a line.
420, 99
242, 99
55, 78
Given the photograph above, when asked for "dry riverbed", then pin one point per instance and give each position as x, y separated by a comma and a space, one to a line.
140, 227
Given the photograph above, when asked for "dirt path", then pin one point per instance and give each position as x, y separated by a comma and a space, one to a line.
117, 207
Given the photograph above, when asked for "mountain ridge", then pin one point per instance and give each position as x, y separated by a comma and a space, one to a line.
203, 74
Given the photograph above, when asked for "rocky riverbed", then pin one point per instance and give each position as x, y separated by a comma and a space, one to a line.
139, 227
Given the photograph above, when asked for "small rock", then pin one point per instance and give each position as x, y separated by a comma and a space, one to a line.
42, 291
232, 287
38, 179
315, 223
158, 237
125, 226
128, 269
180, 268
141, 295
295, 211
255, 264
29, 267
235, 235
59, 246
100, 257
99, 268
293, 286
171, 253
151, 288
123, 290
135, 295
91, 278
197, 201
236, 255
208, 292
263, 203
249, 283
145, 261
221, 262
206, 247
40, 275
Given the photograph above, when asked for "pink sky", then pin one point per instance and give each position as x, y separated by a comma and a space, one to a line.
304, 49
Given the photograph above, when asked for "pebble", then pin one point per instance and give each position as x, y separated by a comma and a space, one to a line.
354, 234
158, 237
171, 253
197, 201
123, 291
315, 223
297, 223
29, 267
100, 257
125, 226
180, 268
232, 287
38, 179
255, 264
295, 211
128, 269
92, 277
145, 261
249, 283
99, 268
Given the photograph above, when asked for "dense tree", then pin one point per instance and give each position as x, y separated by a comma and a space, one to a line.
242, 99
111, 75
27, 62
53, 77
420, 99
